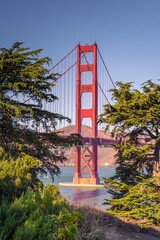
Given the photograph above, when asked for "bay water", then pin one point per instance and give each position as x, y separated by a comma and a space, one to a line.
94, 197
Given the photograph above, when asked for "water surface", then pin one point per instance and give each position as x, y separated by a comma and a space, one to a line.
83, 195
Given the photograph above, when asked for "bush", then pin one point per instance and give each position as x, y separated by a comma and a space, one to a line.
40, 215
16, 175
140, 202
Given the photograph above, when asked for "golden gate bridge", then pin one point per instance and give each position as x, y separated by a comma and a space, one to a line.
82, 88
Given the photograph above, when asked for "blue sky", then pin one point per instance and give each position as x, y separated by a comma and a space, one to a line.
126, 31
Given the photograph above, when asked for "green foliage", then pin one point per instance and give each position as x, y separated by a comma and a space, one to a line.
38, 215
134, 116
16, 175
135, 121
140, 202
25, 84
117, 188
132, 161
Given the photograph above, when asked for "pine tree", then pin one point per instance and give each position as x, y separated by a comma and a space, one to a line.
135, 118
140, 201
25, 84
135, 121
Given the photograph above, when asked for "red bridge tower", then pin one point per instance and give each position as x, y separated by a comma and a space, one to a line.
86, 157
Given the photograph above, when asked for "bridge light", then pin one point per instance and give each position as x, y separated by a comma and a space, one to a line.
105, 146
88, 142
102, 146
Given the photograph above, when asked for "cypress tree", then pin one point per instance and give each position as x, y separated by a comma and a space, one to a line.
25, 83
135, 121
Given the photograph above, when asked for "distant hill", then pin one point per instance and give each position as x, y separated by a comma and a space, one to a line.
105, 155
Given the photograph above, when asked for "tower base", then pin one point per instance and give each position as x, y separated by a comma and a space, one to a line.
86, 181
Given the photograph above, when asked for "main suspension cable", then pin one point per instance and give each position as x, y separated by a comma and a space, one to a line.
61, 75
62, 59
106, 68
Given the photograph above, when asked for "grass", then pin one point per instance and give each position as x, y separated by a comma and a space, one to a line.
96, 224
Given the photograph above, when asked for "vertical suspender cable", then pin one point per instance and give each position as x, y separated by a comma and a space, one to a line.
68, 88
72, 90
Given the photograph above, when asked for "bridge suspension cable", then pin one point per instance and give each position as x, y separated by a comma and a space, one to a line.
105, 83
106, 67
64, 87
63, 58
65, 84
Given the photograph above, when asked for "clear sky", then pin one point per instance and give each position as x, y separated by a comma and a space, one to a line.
126, 31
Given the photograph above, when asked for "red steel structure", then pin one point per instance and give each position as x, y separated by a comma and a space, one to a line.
86, 157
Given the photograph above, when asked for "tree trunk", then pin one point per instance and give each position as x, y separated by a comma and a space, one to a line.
156, 167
